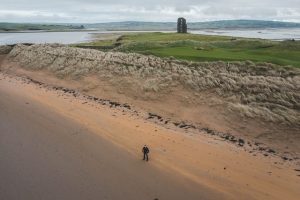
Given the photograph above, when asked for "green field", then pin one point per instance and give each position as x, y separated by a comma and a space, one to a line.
204, 48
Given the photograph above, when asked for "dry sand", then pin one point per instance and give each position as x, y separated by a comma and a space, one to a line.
48, 154
57, 146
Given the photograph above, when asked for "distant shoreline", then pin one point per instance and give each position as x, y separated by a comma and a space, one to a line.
86, 35
147, 30
47, 31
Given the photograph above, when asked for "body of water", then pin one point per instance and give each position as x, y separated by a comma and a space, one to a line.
271, 34
85, 36
44, 37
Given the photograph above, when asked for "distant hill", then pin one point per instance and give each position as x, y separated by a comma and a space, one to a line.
233, 24
225, 24
148, 26
134, 25
36, 27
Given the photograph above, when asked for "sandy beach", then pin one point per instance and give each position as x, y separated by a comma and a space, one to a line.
56, 145
157, 100
46, 154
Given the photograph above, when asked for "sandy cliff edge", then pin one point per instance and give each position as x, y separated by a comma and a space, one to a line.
255, 101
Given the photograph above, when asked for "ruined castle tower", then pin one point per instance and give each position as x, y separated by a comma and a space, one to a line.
181, 25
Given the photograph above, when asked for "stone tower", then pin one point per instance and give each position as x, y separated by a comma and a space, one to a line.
181, 25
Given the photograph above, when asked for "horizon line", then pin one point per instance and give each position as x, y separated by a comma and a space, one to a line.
45, 22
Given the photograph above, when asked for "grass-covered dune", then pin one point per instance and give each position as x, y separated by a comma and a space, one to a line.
194, 47
266, 91
257, 100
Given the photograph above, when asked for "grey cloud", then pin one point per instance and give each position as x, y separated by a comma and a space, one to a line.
149, 10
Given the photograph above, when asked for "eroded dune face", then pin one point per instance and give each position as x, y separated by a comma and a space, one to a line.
266, 91
5, 49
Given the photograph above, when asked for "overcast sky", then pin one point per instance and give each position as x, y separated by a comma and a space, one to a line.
91, 11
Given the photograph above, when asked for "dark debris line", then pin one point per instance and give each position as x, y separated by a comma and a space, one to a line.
182, 125
266, 151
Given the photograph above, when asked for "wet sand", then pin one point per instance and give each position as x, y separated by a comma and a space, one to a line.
56, 146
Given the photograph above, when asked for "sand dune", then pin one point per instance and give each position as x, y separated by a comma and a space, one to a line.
55, 145
255, 102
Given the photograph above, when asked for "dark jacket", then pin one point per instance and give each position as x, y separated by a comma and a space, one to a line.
145, 150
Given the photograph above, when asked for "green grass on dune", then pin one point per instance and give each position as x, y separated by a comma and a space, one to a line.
171, 37
208, 48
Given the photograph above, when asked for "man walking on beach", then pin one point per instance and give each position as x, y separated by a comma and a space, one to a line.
145, 151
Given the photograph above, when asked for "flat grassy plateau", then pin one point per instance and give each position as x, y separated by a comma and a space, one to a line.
196, 47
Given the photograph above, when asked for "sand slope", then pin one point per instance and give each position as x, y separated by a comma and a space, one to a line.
56, 146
